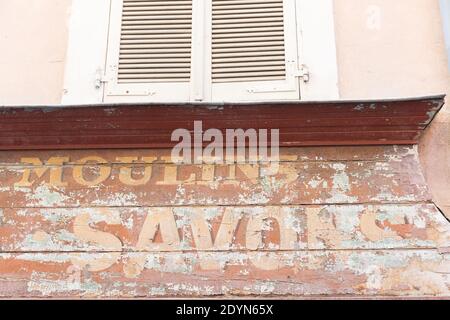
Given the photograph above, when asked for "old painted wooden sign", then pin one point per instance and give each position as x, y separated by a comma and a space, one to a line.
333, 221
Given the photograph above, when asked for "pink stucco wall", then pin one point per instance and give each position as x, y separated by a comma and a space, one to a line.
33, 39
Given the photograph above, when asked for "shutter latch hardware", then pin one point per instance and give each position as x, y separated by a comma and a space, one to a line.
290, 85
101, 79
303, 73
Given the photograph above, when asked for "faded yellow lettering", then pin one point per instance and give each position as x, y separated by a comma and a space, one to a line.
322, 233
370, 229
125, 173
104, 240
224, 237
54, 165
159, 219
254, 239
103, 172
171, 176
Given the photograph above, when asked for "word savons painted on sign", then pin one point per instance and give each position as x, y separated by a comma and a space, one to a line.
255, 231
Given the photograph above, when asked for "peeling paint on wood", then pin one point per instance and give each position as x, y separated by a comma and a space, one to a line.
340, 227
389, 273
51, 182
334, 221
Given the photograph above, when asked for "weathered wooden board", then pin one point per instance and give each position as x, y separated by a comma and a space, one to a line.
150, 125
340, 227
313, 273
63, 180
305, 154
334, 221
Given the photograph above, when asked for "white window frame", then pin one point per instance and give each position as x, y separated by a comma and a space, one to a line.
89, 28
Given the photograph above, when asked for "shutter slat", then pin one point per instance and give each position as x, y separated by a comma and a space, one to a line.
248, 40
156, 41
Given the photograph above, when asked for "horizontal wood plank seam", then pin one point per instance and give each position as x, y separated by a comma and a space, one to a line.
290, 204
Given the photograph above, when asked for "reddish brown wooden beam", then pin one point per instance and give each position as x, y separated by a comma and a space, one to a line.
377, 122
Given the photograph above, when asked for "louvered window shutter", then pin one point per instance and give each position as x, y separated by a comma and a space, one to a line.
202, 50
254, 50
149, 55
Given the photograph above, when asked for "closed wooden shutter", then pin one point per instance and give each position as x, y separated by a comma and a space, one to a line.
254, 50
151, 45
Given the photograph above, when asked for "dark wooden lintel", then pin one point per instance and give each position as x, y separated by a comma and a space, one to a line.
377, 122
